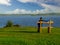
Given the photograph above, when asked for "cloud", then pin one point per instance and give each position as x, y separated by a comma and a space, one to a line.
19, 11
23, 11
51, 2
48, 8
5, 2
25, 1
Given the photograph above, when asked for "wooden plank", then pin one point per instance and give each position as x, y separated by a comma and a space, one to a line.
49, 27
48, 22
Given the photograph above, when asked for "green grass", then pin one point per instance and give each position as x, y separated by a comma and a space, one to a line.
29, 36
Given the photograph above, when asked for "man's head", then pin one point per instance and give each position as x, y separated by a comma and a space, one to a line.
40, 18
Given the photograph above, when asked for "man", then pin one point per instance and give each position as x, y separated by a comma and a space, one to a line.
38, 23
38, 26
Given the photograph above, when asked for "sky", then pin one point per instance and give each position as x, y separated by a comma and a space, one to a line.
29, 6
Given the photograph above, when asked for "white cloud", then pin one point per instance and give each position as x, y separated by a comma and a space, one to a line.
5, 2
19, 11
40, 1
47, 8
23, 11
24, 1
56, 2
50, 8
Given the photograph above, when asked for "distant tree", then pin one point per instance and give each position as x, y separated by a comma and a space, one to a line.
9, 23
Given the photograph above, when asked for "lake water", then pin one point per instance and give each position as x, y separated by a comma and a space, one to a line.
28, 20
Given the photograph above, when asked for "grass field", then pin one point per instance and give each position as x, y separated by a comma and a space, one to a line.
29, 36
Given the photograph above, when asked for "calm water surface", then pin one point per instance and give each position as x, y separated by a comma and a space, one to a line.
28, 20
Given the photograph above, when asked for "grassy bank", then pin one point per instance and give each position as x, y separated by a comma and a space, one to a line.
28, 36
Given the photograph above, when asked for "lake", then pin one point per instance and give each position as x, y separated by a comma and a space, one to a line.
28, 20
